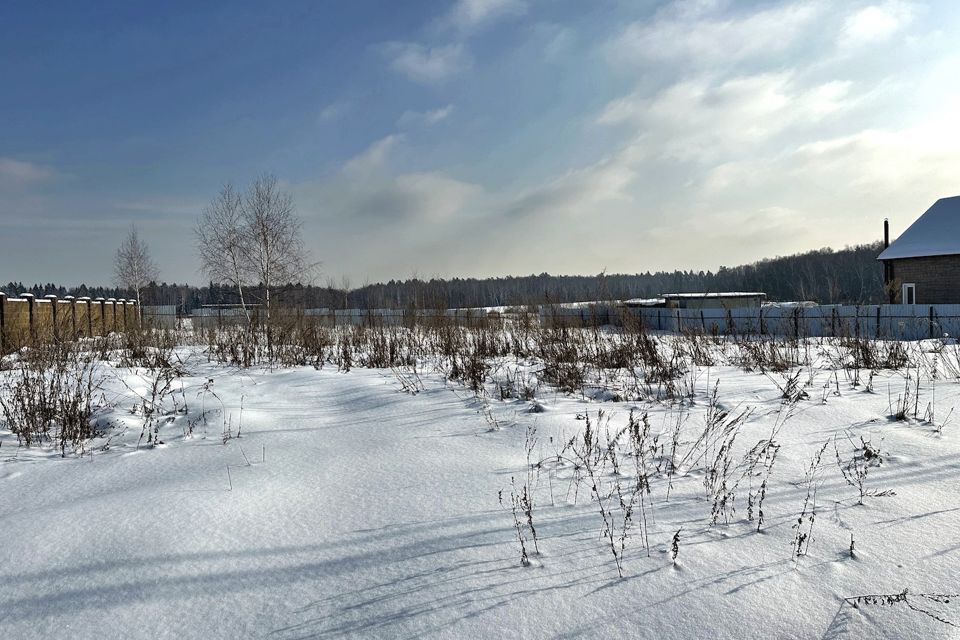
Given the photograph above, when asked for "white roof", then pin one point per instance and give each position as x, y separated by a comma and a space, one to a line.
644, 302
935, 233
718, 294
805, 304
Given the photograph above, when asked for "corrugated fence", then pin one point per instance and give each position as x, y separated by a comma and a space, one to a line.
213, 317
892, 321
902, 322
162, 316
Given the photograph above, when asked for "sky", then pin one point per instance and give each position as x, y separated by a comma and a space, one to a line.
474, 137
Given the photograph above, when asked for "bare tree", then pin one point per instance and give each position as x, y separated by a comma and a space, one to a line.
341, 288
252, 238
222, 241
134, 269
274, 246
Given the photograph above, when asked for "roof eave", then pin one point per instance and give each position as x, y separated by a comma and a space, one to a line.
933, 254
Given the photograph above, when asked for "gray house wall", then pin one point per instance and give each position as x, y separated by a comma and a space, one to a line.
937, 278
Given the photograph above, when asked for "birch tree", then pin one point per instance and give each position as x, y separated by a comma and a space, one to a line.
222, 242
134, 269
274, 245
252, 239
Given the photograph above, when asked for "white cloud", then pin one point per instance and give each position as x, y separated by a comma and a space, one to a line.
18, 173
922, 158
333, 111
433, 196
468, 14
841, 187
427, 65
877, 23
697, 34
705, 120
356, 200
750, 132
374, 157
576, 193
434, 64
425, 118
366, 187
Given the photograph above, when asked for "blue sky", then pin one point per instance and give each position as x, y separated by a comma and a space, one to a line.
475, 137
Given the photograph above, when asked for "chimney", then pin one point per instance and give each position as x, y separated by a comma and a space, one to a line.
887, 265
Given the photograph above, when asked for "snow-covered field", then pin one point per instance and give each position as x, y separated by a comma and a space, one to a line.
368, 504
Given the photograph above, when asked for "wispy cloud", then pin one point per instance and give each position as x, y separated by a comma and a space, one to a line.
702, 119
374, 157
19, 173
333, 111
876, 23
426, 65
433, 64
425, 118
471, 14
367, 189
701, 35
576, 193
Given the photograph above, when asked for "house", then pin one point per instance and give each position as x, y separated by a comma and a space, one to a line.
718, 300
922, 266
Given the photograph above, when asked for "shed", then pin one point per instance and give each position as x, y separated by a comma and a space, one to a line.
717, 300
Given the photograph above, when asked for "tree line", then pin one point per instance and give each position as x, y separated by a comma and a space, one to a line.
249, 246
850, 275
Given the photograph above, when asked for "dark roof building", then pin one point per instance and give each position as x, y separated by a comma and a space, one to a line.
716, 300
922, 266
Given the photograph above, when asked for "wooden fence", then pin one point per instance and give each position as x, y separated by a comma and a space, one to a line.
25, 319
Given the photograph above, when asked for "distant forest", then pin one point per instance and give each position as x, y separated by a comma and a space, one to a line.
849, 275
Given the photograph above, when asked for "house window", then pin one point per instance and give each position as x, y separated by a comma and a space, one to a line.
909, 293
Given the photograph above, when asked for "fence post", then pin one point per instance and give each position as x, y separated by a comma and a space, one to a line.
931, 321
796, 323
878, 323
763, 329
3, 333
89, 304
52, 299
73, 316
103, 315
29, 298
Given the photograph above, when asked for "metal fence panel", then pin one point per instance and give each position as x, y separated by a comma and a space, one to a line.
160, 316
889, 321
